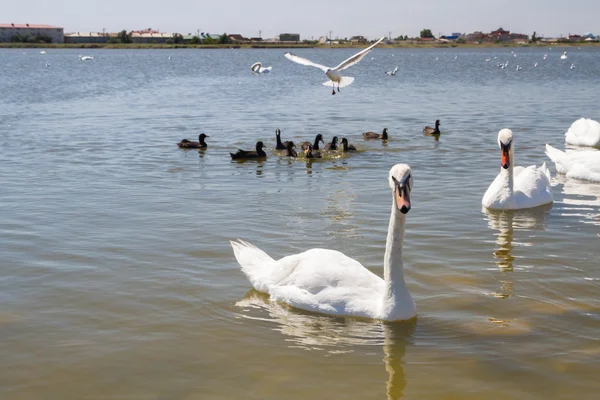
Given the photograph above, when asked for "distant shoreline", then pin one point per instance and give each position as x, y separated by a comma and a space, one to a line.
398, 45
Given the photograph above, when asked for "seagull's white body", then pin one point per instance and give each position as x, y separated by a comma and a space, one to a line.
392, 73
86, 58
581, 164
334, 74
584, 132
329, 282
257, 68
43, 52
516, 187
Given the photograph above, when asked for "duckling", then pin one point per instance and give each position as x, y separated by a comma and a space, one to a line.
200, 144
248, 154
280, 145
315, 145
290, 149
347, 147
332, 145
309, 152
428, 131
373, 135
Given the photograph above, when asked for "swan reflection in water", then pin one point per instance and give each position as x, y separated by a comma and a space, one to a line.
337, 335
506, 222
581, 199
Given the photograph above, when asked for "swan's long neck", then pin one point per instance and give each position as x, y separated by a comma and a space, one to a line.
393, 269
316, 143
507, 174
279, 140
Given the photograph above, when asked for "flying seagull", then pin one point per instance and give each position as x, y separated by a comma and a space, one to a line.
334, 73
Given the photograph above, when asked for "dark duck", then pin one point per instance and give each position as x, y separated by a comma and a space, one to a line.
373, 135
250, 154
428, 131
315, 145
188, 144
332, 145
347, 147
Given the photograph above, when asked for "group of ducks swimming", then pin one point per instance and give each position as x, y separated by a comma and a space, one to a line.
329, 282
311, 150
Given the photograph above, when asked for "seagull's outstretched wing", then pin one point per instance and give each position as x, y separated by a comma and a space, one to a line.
357, 57
304, 61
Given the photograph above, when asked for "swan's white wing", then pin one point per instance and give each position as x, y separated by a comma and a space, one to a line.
356, 58
304, 61
532, 187
584, 132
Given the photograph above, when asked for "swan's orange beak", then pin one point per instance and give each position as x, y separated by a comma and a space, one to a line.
505, 150
402, 196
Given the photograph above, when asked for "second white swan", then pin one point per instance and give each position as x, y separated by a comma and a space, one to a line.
329, 282
517, 187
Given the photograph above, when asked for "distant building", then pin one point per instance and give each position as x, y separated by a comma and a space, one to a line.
88, 37
289, 37
358, 39
150, 36
237, 38
7, 31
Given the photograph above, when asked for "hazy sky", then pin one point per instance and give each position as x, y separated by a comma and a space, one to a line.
311, 18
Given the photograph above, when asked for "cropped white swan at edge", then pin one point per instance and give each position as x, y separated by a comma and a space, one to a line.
257, 68
584, 132
517, 187
582, 164
327, 281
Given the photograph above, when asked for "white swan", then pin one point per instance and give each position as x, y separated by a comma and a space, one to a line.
582, 164
334, 73
257, 68
564, 56
85, 58
329, 282
584, 132
517, 187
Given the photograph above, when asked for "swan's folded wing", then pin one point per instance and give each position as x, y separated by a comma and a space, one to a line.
357, 57
304, 61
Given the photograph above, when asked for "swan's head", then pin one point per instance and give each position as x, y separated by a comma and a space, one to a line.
505, 141
384, 135
319, 138
277, 132
401, 183
290, 145
259, 145
334, 140
203, 136
437, 122
345, 141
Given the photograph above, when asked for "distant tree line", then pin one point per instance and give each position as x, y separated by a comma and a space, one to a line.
26, 38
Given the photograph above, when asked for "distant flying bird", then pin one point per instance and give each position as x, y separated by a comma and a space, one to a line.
572, 66
535, 65
545, 56
86, 58
519, 68
392, 73
334, 73
257, 68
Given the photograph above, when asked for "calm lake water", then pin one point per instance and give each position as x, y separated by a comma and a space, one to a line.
117, 278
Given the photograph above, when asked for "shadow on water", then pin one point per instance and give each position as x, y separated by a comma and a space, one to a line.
339, 334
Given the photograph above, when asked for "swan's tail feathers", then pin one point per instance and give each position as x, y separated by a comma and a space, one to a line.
558, 157
256, 264
346, 81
